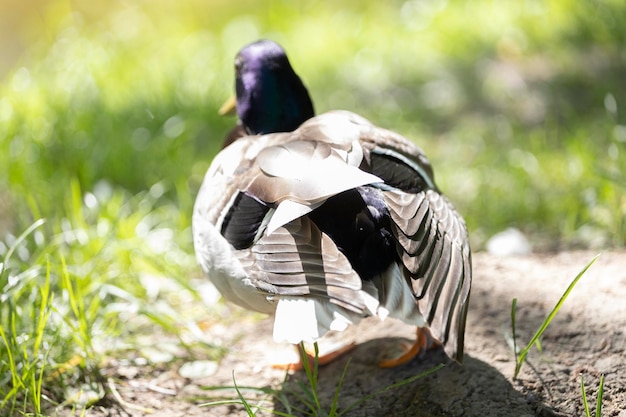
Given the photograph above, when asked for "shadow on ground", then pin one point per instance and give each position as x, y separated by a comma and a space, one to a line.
474, 389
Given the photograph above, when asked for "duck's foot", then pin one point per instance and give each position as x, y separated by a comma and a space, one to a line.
322, 360
423, 342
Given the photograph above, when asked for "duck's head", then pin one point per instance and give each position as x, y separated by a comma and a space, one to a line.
270, 95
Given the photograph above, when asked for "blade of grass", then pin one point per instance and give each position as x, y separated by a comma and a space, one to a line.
305, 401
43, 315
15, 381
390, 387
44, 311
524, 352
21, 237
513, 310
241, 388
600, 395
265, 391
311, 374
242, 398
584, 394
76, 296
335, 403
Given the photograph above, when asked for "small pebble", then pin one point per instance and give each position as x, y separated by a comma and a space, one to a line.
198, 369
509, 242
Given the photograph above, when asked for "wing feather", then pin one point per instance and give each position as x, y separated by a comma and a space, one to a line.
434, 249
298, 259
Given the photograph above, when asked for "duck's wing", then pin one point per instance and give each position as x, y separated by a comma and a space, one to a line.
432, 239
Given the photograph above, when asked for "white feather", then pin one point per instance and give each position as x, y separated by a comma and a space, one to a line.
295, 321
306, 320
397, 298
287, 211
341, 126
223, 268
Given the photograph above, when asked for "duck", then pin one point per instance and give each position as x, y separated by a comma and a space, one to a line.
324, 220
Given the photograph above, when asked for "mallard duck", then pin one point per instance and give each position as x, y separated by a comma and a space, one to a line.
324, 220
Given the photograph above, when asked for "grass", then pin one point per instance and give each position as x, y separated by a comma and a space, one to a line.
24, 362
308, 395
71, 294
598, 399
26, 365
520, 356
108, 122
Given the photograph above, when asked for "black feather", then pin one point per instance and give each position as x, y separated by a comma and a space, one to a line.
358, 222
396, 173
243, 220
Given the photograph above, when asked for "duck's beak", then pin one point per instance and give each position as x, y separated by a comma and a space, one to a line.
229, 108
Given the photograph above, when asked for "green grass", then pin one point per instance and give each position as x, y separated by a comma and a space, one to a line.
25, 360
598, 399
105, 276
108, 122
309, 403
520, 356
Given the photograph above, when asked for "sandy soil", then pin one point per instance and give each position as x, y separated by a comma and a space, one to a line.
587, 338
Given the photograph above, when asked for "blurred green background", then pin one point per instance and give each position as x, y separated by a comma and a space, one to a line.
108, 121
516, 103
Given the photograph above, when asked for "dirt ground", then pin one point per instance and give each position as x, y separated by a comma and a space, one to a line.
587, 338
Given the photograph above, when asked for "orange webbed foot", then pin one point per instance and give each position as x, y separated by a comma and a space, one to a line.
423, 342
322, 360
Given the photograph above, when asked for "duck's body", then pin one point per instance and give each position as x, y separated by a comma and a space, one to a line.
330, 223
